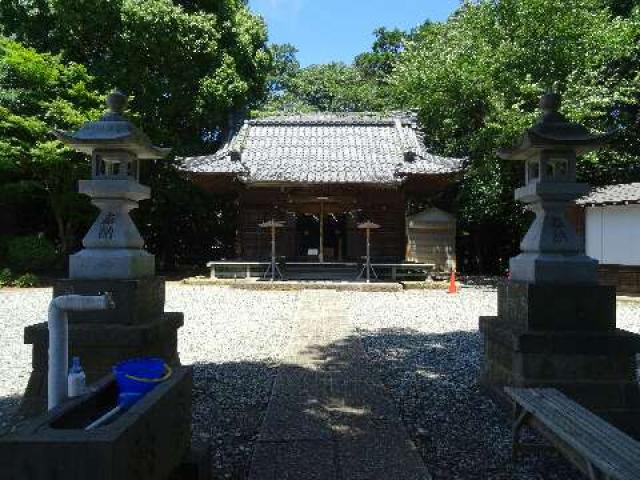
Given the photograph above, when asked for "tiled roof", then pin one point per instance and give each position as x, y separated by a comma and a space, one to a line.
325, 148
612, 195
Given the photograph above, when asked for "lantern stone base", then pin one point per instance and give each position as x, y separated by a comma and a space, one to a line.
137, 327
109, 263
556, 269
564, 338
529, 307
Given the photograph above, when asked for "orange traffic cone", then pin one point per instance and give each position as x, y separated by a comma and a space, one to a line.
453, 288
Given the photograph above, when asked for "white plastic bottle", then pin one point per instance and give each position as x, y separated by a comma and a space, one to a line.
77, 380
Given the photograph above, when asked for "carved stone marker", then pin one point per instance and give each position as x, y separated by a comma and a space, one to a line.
556, 326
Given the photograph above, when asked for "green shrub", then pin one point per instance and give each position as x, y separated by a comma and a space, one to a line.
25, 281
5, 277
31, 253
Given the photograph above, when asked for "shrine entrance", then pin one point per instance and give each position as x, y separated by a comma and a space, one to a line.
311, 235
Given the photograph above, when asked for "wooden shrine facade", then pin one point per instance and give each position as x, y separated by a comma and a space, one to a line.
339, 208
322, 175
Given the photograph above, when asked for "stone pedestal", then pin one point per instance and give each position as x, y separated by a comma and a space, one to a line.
111, 263
137, 327
564, 338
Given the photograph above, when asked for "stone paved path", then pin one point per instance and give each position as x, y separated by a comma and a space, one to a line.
329, 418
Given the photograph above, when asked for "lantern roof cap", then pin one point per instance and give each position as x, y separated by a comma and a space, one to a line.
554, 131
113, 131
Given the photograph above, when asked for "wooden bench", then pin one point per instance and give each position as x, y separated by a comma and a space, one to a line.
244, 266
404, 270
594, 446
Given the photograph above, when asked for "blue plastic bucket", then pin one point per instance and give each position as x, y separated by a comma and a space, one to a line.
140, 375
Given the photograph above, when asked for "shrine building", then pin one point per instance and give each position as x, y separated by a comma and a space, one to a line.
323, 174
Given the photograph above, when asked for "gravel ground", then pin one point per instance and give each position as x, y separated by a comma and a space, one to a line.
18, 308
428, 350
232, 337
425, 343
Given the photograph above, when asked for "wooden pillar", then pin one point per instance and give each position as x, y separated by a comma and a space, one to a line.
321, 251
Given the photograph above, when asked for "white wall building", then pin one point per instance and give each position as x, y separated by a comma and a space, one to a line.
612, 233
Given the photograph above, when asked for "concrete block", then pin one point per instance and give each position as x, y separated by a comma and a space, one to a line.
548, 307
596, 369
99, 347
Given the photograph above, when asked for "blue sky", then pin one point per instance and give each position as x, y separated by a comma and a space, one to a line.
337, 30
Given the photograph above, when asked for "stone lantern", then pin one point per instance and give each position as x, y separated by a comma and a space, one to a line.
113, 245
552, 253
113, 260
556, 325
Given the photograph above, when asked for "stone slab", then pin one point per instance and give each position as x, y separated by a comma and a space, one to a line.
295, 460
532, 307
136, 300
317, 406
310, 285
614, 342
329, 416
380, 455
549, 269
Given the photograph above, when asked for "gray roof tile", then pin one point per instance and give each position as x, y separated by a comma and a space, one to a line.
612, 195
325, 148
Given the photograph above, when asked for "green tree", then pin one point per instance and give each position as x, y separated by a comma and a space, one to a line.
335, 87
38, 94
385, 52
188, 65
284, 67
476, 80
331, 87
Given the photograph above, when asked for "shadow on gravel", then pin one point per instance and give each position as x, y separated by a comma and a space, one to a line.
432, 378
460, 432
9, 406
229, 402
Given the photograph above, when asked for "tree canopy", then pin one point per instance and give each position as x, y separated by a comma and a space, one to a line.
188, 66
477, 78
38, 94
336, 87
